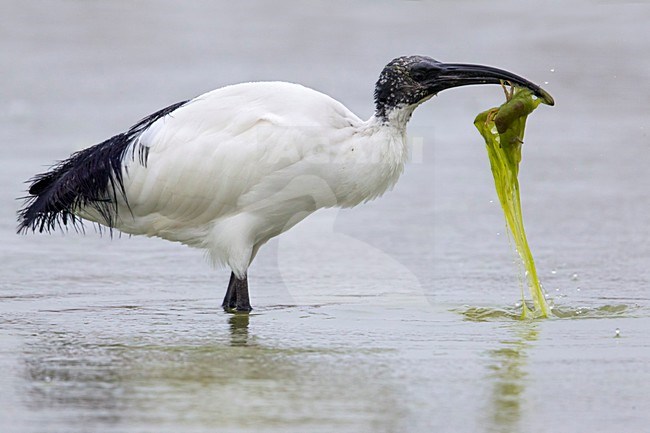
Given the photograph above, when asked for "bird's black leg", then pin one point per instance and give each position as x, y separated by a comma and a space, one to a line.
242, 302
236, 298
230, 298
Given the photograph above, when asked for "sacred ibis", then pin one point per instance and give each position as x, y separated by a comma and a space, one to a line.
234, 167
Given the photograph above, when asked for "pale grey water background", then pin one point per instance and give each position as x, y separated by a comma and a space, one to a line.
356, 328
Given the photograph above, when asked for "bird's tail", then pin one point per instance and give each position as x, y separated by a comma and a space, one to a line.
91, 179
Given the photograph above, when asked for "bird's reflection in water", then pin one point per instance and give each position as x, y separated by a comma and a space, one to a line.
239, 329
510, 376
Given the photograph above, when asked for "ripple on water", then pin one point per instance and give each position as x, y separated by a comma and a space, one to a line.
485, 314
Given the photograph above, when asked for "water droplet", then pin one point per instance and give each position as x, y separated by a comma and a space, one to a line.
557, 290
553, 272
48, 379
574, 277
578, 289
545, 82
552, 69
617, 333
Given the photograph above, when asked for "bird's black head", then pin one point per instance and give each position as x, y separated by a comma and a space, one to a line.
410, 80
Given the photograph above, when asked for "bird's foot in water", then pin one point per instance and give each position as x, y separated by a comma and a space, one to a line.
238, 310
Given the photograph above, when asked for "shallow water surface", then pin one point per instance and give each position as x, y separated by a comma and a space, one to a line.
399, 315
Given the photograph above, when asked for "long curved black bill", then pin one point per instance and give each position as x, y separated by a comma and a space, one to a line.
458, 74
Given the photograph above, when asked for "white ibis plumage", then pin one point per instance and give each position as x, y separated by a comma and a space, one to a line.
232, 168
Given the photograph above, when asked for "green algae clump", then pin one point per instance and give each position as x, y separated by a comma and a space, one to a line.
503, 131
